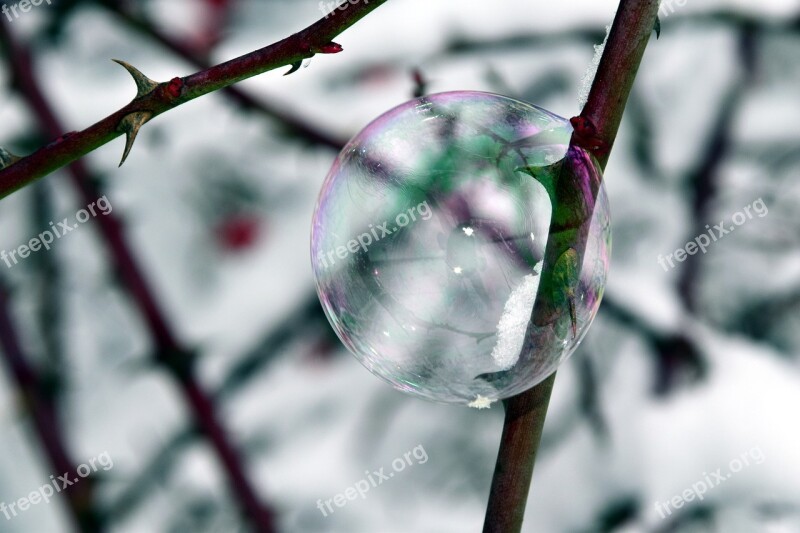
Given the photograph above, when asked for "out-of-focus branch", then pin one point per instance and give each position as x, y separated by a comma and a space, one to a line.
50, 312
680, 359
42, 410
306, 319
703, 179
154, 98
592, 34
600, 121
643, 144
169, 351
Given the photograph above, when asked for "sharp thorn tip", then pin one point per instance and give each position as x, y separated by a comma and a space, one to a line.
144, 85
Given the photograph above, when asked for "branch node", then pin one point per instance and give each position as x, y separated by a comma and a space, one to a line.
586, 136
144, 85
61, 138
131, 125
175, 87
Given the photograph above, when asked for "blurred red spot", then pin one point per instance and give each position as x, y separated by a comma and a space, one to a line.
238, 232
376, 75
321, 351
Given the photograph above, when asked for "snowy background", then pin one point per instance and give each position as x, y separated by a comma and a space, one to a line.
683, 373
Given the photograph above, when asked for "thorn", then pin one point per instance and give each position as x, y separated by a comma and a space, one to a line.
566, 273
131, 125
295, 67
144, 85
7, 158
657, 27
573, 316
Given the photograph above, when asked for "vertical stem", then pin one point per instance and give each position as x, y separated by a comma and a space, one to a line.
618, 67
525, 413
522, 433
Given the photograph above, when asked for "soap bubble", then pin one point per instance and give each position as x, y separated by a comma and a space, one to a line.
429, 239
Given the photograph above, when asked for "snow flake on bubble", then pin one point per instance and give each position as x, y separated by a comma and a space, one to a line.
481, 402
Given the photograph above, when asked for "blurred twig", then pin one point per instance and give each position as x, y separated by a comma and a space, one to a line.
704, 177
50, 302
39, 403
642, 142
305, 318
680, 360
157, 468
154, 99
760, 320
177, 359
592, 34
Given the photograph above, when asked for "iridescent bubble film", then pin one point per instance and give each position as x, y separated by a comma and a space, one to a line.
428, 244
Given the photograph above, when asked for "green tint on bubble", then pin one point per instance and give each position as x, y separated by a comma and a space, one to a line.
427, 246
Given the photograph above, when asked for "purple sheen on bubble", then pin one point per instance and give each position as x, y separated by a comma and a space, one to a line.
427, 246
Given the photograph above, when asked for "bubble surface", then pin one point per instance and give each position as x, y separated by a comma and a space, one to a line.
429, 240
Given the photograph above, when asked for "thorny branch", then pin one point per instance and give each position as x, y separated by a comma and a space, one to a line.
294, 124
153, 99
